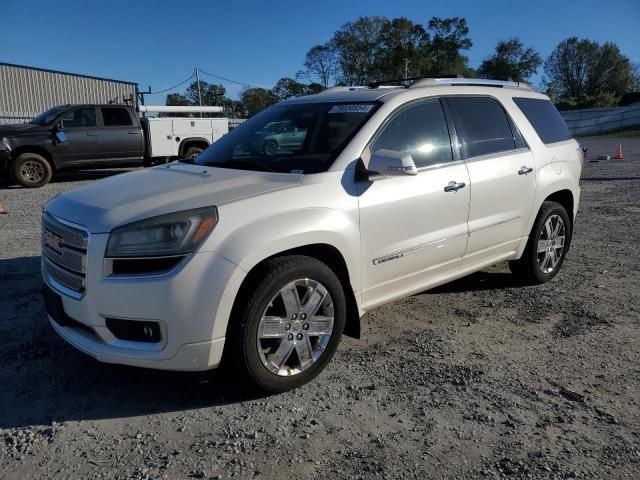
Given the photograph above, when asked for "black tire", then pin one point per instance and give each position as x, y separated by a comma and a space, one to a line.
31, 170
242, 355
193, 152
270, 148
528, 269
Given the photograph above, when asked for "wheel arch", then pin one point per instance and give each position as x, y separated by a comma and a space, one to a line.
187, 143
325, 253
565, 198
17, 151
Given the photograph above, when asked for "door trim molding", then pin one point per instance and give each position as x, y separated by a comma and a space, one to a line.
418, 248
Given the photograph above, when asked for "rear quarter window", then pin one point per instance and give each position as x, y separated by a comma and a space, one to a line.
544, 118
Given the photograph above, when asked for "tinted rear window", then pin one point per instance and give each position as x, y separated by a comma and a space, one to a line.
482, 125
544, 118
116, 117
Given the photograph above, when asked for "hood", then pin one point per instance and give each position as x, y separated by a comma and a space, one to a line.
10, 130
111, 202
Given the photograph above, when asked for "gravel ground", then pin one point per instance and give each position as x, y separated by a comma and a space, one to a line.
458, 382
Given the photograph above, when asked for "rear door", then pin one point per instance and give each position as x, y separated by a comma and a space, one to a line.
83, 134
122, 138
503, 182
413, 228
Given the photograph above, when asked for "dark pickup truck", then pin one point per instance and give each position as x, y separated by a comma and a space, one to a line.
70, 136
82, 136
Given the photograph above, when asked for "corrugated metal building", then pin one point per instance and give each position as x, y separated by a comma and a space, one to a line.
28, 91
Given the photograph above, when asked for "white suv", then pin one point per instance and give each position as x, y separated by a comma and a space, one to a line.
259, 258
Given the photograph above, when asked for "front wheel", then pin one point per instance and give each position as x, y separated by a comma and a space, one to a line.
547, 245
31, 170
289, 324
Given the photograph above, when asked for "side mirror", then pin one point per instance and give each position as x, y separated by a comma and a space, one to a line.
389, 163
61, 137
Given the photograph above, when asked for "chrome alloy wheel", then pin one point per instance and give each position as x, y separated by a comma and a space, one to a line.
31, 171
551, 244
296, 327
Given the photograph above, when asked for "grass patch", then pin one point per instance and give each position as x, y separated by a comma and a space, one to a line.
624, 133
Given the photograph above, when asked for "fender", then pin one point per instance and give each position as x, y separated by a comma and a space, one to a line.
553, 177
256, 241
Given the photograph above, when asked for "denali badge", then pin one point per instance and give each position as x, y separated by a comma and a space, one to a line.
388, 258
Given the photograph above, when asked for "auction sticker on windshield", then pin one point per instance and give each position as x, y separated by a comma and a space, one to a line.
352, 108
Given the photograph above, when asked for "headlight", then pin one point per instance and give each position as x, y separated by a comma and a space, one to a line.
172, 234
4, 145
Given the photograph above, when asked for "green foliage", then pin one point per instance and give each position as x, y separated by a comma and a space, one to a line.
372, 49
321, 62
358, 44
449, 37
582, 73
511, 61
287, 88
257, 99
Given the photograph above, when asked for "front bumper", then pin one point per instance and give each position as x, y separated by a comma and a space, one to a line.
5, 159
191, 304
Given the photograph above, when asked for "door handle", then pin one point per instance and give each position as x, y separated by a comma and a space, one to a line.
93, 134
524, 170
134, 133
454, 186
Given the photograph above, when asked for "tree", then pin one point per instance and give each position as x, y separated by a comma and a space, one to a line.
175, 99
448, 37
313, 88
287, 88
405, 50
511, 61
321, 62
257, 99
582, 73
212, 95
358, 45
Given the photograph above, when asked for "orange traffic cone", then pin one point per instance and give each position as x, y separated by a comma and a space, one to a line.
2, 210
618, 154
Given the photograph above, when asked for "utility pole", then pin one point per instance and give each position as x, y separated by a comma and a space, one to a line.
199, 92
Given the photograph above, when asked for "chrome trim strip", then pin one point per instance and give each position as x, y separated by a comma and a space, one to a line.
414, 250
489, 156
496, 224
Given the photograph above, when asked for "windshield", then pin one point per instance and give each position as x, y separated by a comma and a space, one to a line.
49, 116
289, 138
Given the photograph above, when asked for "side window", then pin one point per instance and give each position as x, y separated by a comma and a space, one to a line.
80, 117
482, 125
544, 118
116, 117
419, 129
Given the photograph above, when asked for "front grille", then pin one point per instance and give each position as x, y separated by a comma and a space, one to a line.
66, 261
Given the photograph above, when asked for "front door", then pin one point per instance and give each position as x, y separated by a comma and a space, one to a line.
413, 228
502, 174
84, 142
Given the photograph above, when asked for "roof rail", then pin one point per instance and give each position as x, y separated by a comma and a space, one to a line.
432, 82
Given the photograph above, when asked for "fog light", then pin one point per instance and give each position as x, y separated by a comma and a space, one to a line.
134, 330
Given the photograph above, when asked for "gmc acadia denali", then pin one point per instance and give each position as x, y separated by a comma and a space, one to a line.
259, 258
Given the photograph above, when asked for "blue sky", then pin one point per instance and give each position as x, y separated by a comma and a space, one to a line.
158, 43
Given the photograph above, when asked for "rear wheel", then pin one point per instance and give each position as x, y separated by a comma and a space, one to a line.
31, 170
289, 325
192, 152
271, 148
547, 246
